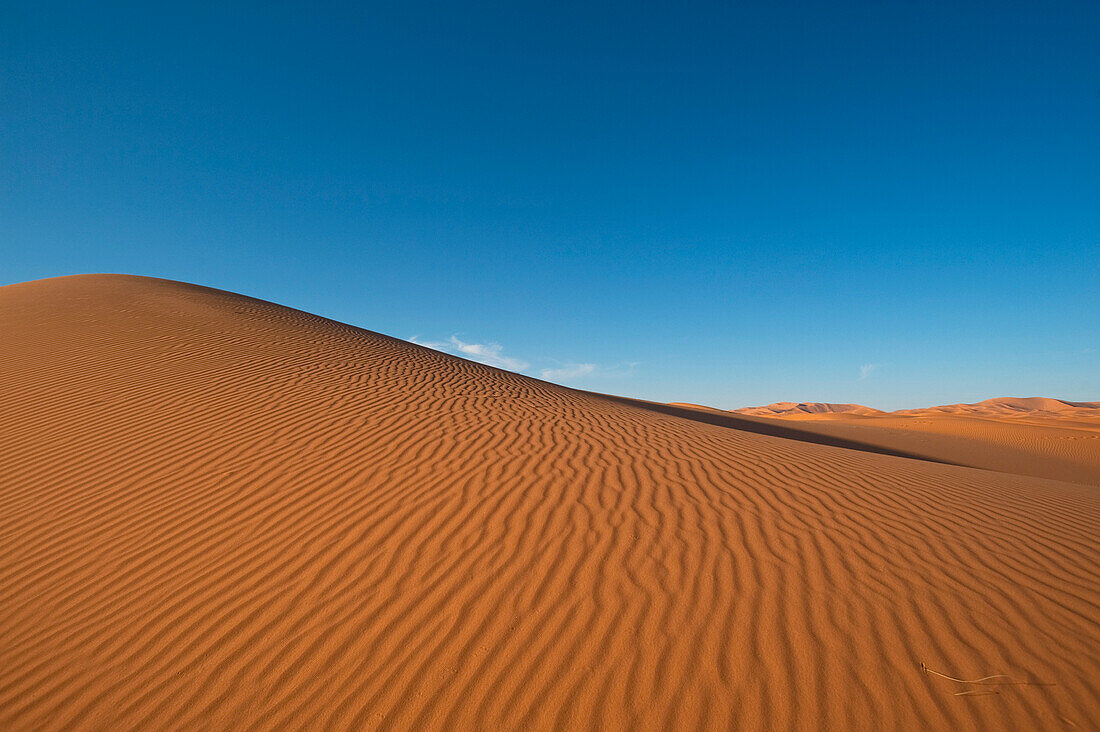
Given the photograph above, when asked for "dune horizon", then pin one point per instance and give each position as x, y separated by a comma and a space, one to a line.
999, 406
219, 512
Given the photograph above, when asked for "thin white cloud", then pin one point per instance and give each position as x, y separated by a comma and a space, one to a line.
490, 354
867, 369
434, 345
623, 369
569, 371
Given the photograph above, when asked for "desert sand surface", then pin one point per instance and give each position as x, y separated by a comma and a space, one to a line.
217, 512
1042, 437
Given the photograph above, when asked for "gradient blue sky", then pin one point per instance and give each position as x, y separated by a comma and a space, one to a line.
893, 203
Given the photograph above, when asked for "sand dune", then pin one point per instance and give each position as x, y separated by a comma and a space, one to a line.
1046, 438
1027, 408
782, 409
216, 512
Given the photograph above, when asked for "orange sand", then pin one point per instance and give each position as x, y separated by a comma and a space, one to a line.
216, 512
1045, 438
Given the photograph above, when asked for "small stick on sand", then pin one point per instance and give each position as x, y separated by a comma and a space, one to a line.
984, 680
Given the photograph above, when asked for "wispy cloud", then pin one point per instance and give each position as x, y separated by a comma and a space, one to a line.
867, 369
490, 354
569, 371
434, 345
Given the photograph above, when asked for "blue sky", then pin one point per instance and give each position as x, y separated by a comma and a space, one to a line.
893, 203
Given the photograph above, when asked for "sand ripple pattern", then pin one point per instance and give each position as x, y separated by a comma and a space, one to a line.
220, 513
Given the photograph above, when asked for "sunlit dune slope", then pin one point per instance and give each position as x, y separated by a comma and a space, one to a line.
216, 512
1025, 408
780, 409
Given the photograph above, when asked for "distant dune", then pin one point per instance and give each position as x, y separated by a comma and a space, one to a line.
1047, 438
782, 409
1029, 407
220, 513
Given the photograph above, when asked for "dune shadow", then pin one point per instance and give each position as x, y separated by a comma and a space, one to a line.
770, 428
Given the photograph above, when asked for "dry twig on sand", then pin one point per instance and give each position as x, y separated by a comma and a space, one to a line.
985, 680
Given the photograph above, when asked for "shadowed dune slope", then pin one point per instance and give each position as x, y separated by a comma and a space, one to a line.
1062, 449
218, 512
1044, 444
